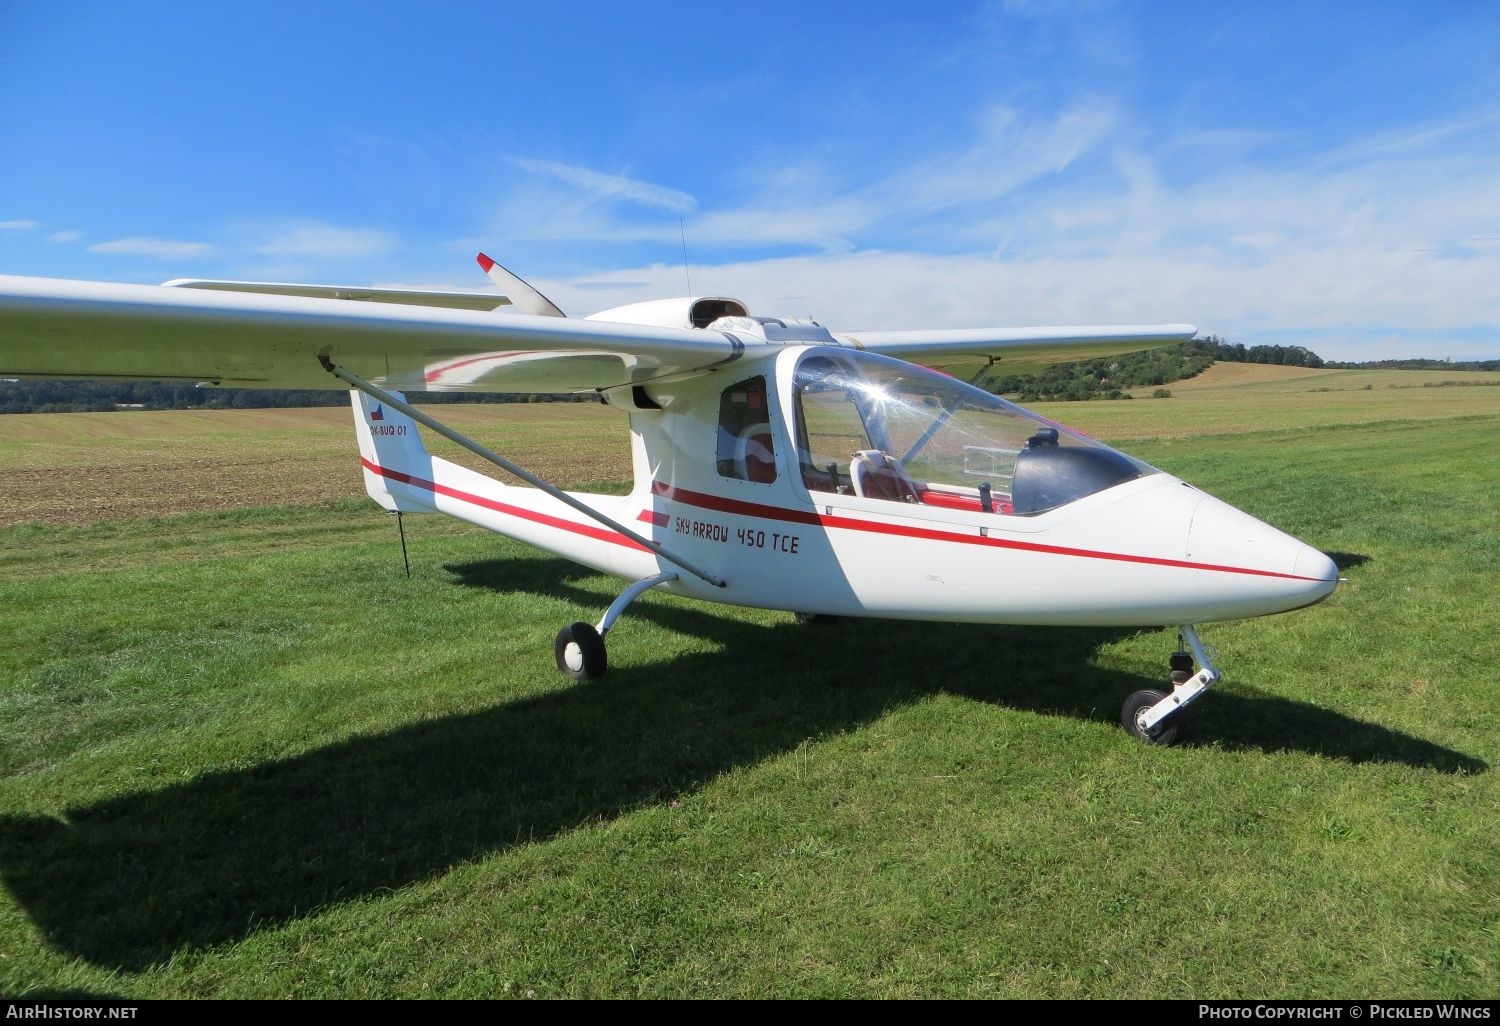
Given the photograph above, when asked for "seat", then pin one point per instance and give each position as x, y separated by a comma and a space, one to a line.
877, 476
755, 455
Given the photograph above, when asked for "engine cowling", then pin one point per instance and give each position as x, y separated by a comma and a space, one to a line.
684, 312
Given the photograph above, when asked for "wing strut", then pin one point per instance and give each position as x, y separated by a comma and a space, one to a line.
557, 493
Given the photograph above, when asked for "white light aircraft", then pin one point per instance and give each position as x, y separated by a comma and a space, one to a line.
777, 464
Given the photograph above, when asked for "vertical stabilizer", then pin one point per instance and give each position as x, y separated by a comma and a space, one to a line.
393, 455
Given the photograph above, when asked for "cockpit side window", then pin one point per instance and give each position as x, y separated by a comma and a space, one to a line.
831, 424
746, 444
876, 428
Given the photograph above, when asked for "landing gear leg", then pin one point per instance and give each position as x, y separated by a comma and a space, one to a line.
1155, 717
580, 647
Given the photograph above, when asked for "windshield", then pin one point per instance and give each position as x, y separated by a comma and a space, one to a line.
879, 428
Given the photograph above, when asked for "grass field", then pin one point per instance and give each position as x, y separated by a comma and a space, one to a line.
245, 756
85, 467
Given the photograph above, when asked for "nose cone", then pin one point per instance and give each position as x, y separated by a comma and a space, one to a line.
1313, 564
1276, 571
1224, 536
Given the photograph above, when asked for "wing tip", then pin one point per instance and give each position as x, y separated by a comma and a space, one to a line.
485, 263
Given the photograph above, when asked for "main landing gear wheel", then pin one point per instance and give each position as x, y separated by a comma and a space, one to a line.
580, 646
580, 652
1130, 719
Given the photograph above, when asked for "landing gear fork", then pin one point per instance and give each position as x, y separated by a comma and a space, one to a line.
1156, 717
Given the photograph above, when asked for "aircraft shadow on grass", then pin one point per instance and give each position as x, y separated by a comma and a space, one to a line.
127, 881
1347, 560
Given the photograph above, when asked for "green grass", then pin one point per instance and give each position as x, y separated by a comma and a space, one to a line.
245, 756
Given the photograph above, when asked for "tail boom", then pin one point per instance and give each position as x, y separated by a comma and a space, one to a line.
402, 476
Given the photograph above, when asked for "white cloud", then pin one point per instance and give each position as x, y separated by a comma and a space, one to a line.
1326, 299
1008, 153
825, 226
65, 236
19, 226
1258, 240
161, 249
1253, 236
1450, 133
322, 241
934, 197
609, 187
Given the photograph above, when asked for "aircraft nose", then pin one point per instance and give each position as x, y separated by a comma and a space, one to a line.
1225, 536
1291, 573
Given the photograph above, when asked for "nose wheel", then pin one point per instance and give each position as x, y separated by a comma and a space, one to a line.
1155, 717
1134, 711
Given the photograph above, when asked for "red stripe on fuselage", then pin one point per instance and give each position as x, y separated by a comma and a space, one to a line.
597, 533
721, 504
703, 500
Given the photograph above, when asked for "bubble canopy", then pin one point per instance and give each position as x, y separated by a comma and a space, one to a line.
879, 428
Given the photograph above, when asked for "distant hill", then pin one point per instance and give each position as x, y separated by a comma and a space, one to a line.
1109, 377
1464, 365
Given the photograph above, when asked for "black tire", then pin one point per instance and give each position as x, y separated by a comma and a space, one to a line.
1166, 732
580, 652
822, 619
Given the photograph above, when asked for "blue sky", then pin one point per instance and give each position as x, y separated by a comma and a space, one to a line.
1316, 174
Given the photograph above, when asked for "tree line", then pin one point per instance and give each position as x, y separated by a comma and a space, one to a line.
1109, 377
1421, 364
102, 396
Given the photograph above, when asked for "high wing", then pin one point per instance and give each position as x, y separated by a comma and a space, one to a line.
52, 328
1020, 350
268, 335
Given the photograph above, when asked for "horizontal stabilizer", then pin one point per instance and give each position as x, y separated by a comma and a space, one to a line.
521, 295
449, 300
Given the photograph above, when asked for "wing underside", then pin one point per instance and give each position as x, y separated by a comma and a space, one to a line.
70, 329
1017, 350
260, 335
